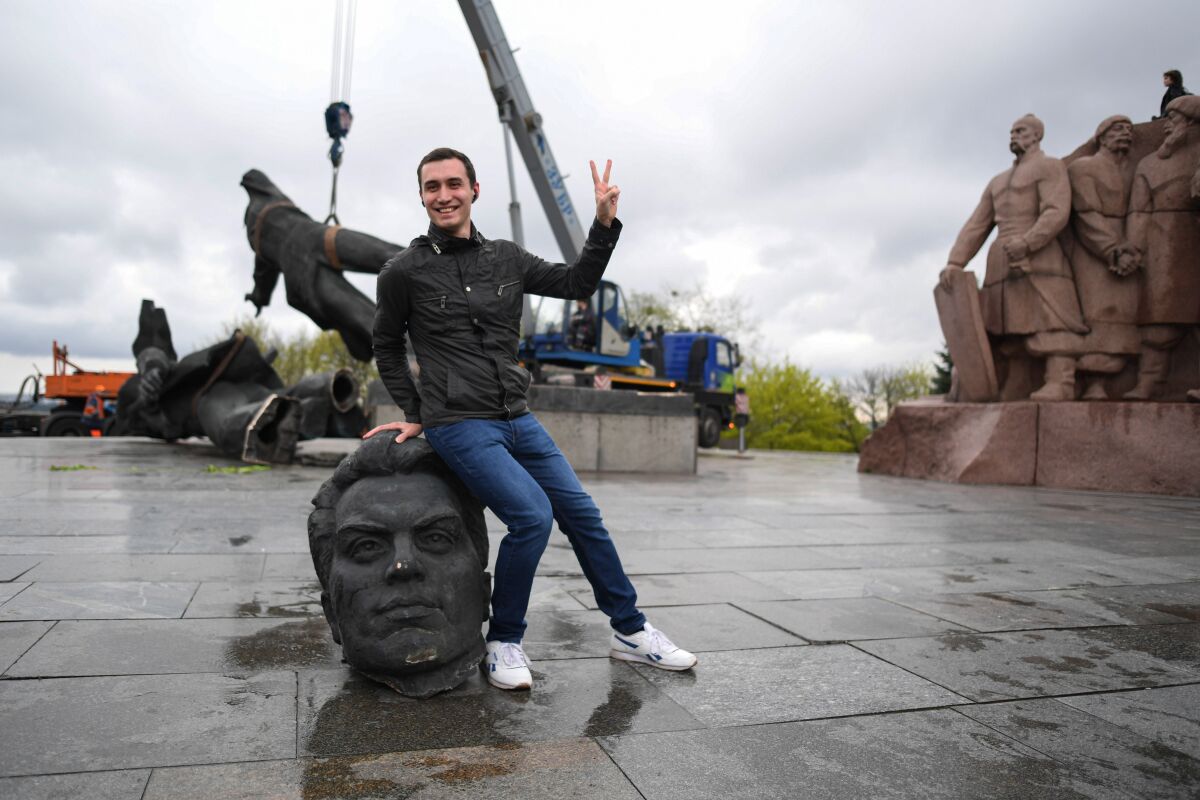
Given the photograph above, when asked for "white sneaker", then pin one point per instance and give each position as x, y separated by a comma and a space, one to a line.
506, 666
651, 646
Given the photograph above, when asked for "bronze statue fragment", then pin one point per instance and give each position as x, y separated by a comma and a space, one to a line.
401, 549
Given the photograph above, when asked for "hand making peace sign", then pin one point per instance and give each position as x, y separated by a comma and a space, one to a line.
606, 195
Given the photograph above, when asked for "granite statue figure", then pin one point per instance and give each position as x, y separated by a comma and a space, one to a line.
400, 548
1029, 302
1104, 262
312, 257
1164, 223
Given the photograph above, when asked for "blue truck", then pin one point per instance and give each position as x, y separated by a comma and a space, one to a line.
611, 352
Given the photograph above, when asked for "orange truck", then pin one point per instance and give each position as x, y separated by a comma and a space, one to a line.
88, 398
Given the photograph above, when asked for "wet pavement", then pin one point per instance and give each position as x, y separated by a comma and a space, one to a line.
859, 636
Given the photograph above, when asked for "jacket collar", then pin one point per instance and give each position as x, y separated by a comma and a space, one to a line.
441, 240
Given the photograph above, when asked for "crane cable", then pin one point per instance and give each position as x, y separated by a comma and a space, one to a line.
337, 115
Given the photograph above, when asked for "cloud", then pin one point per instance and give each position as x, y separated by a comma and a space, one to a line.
816, 158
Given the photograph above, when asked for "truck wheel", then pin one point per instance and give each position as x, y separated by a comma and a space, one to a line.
63, 424
708, 428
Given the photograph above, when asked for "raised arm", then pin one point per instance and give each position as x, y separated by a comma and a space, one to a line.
579, 280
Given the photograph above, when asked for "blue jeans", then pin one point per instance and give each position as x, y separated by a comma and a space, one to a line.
515, 468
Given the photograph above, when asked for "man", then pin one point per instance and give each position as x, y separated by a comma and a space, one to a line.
1028, 298
1164, 224
583, 326
400, 548
1103, 261
459, 296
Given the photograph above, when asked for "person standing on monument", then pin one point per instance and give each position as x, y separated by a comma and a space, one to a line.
1173, 80
1104, 262
1163, 222
1028, 298
459, 297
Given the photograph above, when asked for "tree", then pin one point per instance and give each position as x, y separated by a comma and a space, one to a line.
694, 309
876, 392
302, 353
791, 409
941, 372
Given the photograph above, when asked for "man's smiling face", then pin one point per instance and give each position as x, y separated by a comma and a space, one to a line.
447, 194
405, 584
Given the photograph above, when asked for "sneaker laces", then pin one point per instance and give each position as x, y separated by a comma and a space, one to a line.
512, 655
659, 643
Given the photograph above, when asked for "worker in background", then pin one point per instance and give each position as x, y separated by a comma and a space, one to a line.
583, 326
459, 298
1173, 80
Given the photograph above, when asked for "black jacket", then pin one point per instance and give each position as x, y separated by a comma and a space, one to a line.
1173, 91
460, 301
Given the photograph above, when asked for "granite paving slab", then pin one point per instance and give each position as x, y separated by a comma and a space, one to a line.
18, 637
237, 539
933, 755
566, 768
702, 628
81, 724
974, 578
1167, 716
77, 545
121, 785
99, 600
11, 590
747, 687
718, 626
553, 593
1179, 567
1012, 666
13, 567
1181, 600
653, 519
1178, 645
289, 567
698, 589
1053, 608
343, 713
841, 620
110, 567
137, 647
259, 599
1096, 750
826, 583
725, 559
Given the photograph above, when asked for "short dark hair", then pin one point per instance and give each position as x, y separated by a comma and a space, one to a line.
381, 456
446, 154
1175, 76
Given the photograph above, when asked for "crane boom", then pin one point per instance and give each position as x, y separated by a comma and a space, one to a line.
516, 111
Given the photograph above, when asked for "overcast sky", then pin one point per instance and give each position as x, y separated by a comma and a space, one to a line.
816, 158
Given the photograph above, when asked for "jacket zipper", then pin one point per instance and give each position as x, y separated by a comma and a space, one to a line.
503, 286
441, 299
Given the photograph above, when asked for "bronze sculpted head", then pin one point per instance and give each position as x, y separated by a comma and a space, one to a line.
401, 549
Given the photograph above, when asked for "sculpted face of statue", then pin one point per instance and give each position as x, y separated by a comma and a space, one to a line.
1118, 138
404, 587
1176, 130
1025, 135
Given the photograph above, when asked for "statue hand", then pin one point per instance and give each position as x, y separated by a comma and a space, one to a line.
946, 274
606, 195
1127, 262
408, 430
1016, 249
150, 386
